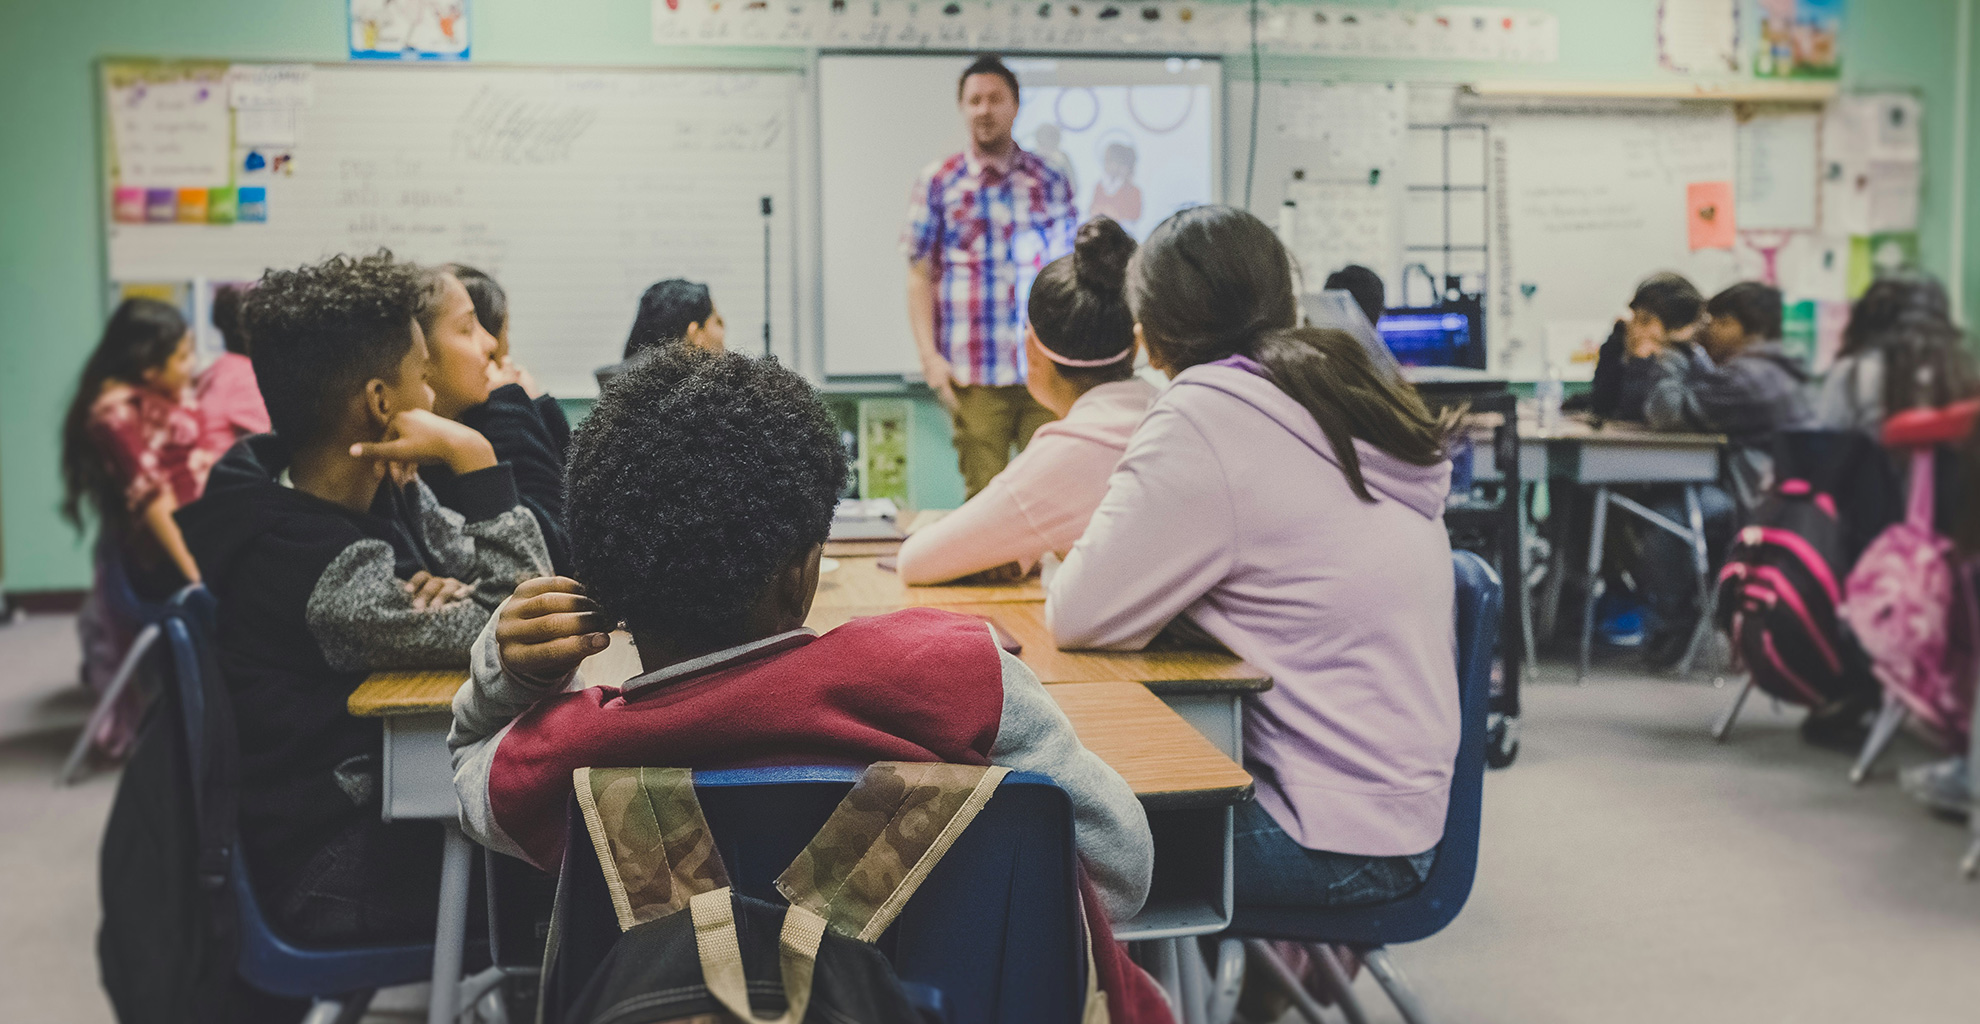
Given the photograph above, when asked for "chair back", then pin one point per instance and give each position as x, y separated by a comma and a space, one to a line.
266, 960
995, 929
1426, 911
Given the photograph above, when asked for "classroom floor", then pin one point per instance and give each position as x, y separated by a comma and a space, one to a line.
1632, 871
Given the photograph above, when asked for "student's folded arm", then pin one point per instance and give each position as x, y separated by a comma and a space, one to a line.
364, 620
1162, 537
990, 530
484, 707
488, 538
1110, 827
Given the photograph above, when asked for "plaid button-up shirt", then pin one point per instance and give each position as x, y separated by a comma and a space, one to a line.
988, 233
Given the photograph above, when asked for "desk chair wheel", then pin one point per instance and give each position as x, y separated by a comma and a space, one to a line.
1501, 740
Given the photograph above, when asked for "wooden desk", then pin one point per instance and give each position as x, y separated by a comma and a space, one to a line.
861, 583
1187, 786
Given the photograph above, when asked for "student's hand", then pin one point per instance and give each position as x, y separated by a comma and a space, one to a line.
935, 370
508, 371
547, 627
430, 591
419, 437
1643, 340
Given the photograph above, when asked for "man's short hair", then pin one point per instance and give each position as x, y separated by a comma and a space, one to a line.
666, 311
987, 65
697, 477
1756, 306
321, 331
1672, 299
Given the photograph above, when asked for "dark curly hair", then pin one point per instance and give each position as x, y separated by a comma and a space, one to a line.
697, 477
322, 330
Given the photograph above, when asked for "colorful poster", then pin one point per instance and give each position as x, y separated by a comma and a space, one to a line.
1799, 39
409, 29
1709, 215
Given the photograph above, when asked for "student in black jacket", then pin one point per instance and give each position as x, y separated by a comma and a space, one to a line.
475, 385
1666, 316
331, 559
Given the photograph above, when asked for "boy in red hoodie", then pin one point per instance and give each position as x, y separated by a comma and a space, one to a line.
701, 489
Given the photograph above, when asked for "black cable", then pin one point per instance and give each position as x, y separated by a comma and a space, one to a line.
1251, 155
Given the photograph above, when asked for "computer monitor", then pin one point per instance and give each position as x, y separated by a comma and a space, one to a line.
1451, 334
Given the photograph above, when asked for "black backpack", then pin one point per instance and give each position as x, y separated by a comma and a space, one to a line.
1777, 600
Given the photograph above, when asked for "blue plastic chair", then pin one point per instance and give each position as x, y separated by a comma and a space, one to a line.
1370, 930
339, 981
992, 937
117, 597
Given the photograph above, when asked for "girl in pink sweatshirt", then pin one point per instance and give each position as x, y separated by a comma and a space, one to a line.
1081, 348
1286, 496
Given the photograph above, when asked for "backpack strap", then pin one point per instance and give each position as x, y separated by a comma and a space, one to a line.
715, 940
882, 841
653, 843
1918, 511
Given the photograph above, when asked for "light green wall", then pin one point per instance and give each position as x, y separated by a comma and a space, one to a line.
50, 216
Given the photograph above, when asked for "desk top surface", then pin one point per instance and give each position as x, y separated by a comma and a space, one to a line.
1166, 670
1615, 432
1166, 761
859, 582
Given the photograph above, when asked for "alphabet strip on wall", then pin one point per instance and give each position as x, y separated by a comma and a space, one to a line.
1461, 33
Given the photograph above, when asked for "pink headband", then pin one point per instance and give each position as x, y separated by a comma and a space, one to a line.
1068, 361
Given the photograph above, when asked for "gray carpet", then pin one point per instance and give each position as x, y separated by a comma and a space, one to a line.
1632, 871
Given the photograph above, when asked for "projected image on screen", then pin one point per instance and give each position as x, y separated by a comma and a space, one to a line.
1136, 152
1139, 138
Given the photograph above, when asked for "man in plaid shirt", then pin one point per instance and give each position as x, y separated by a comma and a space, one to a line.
981, 224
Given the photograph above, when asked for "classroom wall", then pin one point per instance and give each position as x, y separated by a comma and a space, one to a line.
50, 213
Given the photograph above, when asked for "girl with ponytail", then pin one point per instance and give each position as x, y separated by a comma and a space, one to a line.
1081, 347
1285, 495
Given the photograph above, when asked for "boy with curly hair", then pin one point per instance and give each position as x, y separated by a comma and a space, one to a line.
701, 489
331, 560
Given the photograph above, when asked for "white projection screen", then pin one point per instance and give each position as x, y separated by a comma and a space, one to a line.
882, 119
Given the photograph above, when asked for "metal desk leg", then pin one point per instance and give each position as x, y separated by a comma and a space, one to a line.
1701, 564
450, 932
1597, 537
1531, 670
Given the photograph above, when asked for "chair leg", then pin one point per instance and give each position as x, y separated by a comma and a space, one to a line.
1701, 565
1194, 978
474, 988
1339, 982
1725, 726
140, 646
1260, 952
1597, 536
1888, 720
1969, 865
354, 1007
1395, 984
1228, 983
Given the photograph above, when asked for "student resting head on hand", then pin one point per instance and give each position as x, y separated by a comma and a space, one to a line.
1285, 495
1081, 347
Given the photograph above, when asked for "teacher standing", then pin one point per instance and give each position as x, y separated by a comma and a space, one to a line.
981, 224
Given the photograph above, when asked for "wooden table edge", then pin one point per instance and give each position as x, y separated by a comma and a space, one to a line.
1196, 799
1195, 687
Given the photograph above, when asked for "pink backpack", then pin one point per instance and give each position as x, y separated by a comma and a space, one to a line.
1911, 605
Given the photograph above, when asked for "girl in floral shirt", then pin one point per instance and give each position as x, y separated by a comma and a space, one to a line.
132, 452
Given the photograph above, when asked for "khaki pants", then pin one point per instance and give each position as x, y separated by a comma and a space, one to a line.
988, 421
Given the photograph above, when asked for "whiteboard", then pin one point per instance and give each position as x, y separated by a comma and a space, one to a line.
882, 119
574, 189
1587, 205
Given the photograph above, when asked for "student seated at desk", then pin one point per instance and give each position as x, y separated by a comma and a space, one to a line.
330, 560
1081, 345
1286, 496
1666, 314
475, 386
1739, 381
229, 400
702, 488
674, 311
1900, 350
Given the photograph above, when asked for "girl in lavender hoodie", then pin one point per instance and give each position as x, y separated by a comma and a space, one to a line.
1080, 341
1285, 495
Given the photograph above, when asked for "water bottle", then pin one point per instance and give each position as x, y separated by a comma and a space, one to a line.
1549, 391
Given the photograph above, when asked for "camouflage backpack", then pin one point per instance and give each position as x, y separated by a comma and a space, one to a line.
693, 951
